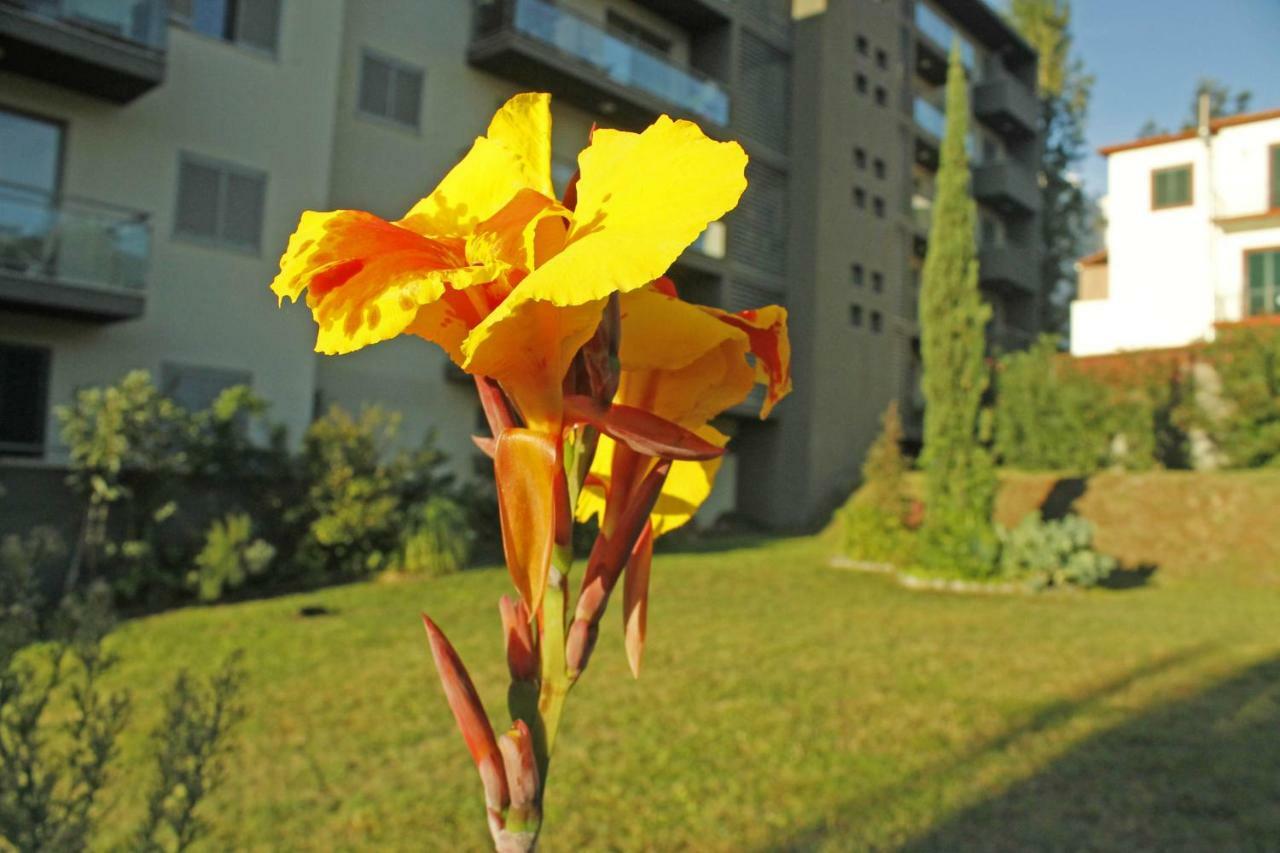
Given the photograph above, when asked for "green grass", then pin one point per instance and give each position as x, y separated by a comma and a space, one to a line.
785, 704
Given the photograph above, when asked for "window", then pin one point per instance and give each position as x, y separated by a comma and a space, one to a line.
24, 399
194, 387
629, 29
1171, 187
855, 273
861, 44
879, 168
860, 83
32, 150
1274, 202
390, 89
1262, 273
219, 203
882, 58
876, 321
882, 96
855, 315
860, 158
877, 281
877, 204
859, 197
252, 23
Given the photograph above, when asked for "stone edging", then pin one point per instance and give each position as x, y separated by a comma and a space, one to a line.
927, 583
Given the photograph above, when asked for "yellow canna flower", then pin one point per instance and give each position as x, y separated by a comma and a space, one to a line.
491, 267
688, 364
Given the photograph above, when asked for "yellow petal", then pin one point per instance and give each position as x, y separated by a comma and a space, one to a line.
515, 155
687, 487
679, 361
766, 328
642, 199
365, 278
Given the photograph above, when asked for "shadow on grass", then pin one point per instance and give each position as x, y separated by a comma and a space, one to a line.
1199, 773
1062, 497
1129, 577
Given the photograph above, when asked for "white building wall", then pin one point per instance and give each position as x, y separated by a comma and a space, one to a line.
1174, 272
204, 306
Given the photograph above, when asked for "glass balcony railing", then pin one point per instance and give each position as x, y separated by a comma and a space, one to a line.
139, 21
942, 33
929, 118
621, 60
72, 241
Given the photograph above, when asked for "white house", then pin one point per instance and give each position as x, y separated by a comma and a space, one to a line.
1192, 240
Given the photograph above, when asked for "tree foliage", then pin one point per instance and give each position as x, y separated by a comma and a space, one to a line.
1064, 88
1223, 102
960, 480
874, 520
1241, 416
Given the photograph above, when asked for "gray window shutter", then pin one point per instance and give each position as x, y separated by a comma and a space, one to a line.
258, 23
198, 189
375, 85
242, 215
408, 97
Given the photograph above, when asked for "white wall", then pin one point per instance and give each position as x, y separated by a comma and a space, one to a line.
205, 306
1175, 272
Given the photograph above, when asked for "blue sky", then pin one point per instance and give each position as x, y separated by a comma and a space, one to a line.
1148, 54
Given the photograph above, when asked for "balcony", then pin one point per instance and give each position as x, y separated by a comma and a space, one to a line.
71, 258
1008, 106
1014, 268
537, 44
1009, 187
110, 49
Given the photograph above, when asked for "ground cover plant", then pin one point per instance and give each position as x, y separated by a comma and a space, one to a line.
835, 709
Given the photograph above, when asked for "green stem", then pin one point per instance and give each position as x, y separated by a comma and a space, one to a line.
555, 676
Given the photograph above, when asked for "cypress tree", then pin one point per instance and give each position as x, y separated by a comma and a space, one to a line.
958, 536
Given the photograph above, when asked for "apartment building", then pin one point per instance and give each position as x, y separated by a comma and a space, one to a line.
154, 157
1192, 237
870, 80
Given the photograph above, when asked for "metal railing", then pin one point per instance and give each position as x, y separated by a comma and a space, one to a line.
139, 22
72, 240
622, 60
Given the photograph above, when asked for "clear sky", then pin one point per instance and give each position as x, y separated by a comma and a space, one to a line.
1148, 54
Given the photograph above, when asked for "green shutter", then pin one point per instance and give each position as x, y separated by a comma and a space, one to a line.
1171, 187
1275, 177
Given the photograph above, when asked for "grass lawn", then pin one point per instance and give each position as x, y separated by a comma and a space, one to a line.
785, 704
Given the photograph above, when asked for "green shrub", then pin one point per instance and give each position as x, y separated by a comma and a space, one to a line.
438, 540
1052, 415
230, 557
1053, 553
358, 492
1242, 415
874, 523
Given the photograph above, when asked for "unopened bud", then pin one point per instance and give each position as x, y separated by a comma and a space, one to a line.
578, 645
522, 661
521, 766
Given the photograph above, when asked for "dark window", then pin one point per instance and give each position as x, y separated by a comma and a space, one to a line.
1263, 271
254, 23
855, 315
882, 96
24, 399
219, 203
876, 321
859, 197
877, 281
860, 158
1171, 187
882, 58
32, 148
877, 204
194, 387
390, 89
623, 26
861, 43
856, 274
878, 168
860, 83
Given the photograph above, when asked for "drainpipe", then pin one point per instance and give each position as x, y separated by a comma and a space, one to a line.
1205, 131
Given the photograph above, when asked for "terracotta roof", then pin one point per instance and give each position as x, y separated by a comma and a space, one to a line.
1214, 126
1094, 259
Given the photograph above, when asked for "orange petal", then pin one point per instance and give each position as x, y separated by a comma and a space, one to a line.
642, 431
470, 715
527, 468
635, 598
766, 329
